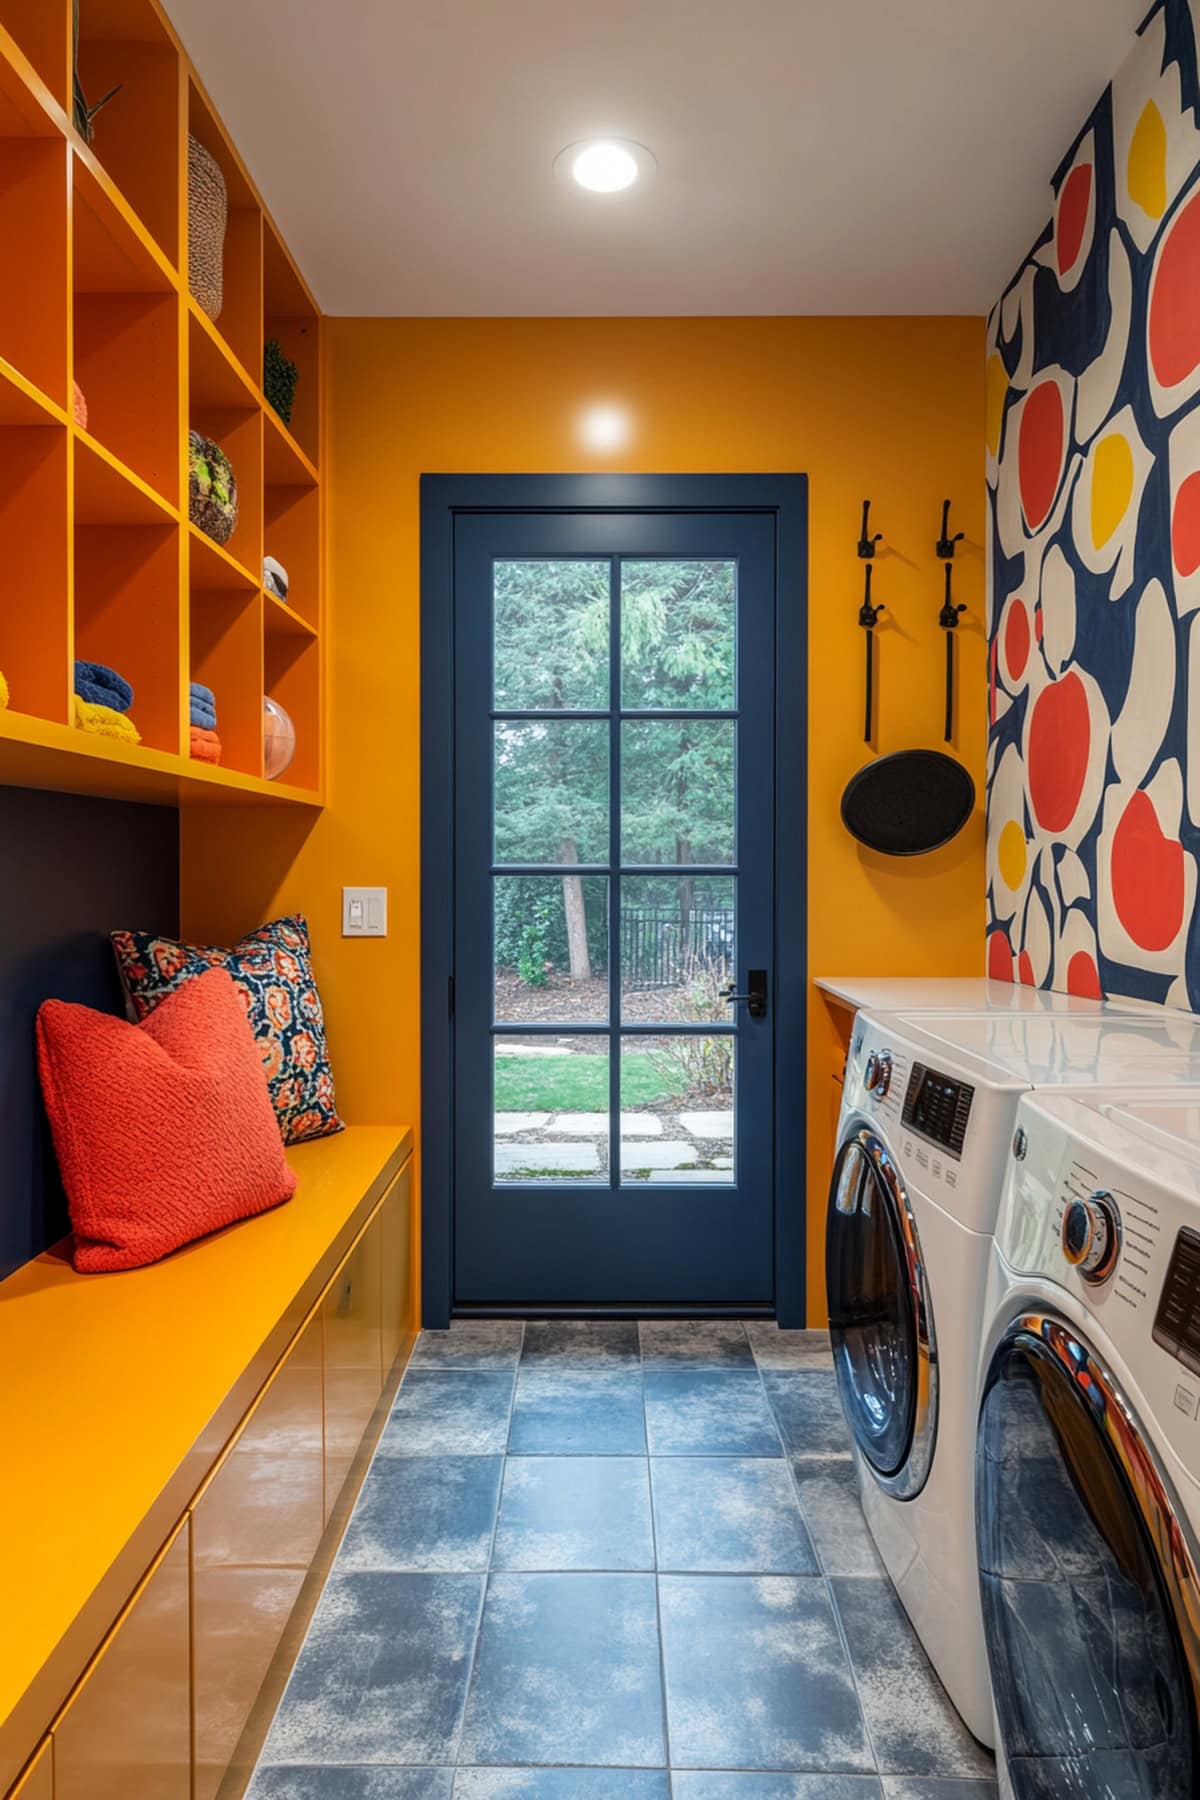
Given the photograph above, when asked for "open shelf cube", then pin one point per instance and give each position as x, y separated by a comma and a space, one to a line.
126, 316
292, 321
240, 321
124, 43
292, 535
35, 655
293, 678
127, 593
33, 297
226, 654
238, 432
41, 30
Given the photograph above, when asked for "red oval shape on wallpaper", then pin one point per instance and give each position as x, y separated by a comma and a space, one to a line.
1185, 526
1083, 977
999, 957
1060, 734
1147, 877
1040, 452
1072, 216
1025, 970
1016, 639
1174, 330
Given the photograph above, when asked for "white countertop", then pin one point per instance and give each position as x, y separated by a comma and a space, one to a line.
965, 993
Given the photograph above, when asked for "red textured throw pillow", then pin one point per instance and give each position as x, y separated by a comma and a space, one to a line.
164, 1130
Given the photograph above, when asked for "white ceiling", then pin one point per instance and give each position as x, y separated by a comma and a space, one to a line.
853, 156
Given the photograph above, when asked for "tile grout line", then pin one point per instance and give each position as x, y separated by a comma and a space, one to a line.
486, 1583
662, 1649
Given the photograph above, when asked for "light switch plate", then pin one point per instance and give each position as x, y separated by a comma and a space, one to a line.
364, 912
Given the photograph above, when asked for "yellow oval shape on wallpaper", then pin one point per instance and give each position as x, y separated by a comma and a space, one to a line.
1112, 486
997, 393
1146, 170
1010, 855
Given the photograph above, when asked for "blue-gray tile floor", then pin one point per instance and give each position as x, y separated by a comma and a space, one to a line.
607, 1561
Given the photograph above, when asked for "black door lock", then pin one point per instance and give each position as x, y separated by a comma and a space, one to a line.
755, 996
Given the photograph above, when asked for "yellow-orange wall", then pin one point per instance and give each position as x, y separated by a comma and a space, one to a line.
891, 408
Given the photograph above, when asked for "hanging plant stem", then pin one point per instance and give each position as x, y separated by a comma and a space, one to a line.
84, 114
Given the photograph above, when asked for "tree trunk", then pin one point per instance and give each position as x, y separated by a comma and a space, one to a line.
576, 916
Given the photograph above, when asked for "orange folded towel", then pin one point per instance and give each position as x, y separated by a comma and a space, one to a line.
206, 745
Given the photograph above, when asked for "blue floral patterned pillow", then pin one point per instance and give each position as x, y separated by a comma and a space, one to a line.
272, 972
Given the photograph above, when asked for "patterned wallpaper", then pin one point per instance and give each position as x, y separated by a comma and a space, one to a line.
1094, 514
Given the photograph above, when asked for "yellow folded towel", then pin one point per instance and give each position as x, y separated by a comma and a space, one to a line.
3, 691
105, 722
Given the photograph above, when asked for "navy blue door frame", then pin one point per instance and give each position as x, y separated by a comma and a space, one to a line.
783, 498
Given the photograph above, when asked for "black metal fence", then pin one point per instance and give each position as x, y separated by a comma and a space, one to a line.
659, 949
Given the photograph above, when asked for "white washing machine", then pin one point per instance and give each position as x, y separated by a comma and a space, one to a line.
1088, 1455
928, 1115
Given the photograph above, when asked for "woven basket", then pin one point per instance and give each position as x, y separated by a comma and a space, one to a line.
212, 489
208, 213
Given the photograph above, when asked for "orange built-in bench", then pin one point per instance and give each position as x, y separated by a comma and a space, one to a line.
174, 1444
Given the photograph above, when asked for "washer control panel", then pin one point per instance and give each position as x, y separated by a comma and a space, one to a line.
1177, 1321
938, 1108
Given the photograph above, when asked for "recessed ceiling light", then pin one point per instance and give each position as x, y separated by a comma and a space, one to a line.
604, 165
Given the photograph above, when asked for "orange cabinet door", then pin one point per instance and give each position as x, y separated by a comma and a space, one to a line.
256, 1526
126, 1732
396, 1232
37, 1783
353, 1356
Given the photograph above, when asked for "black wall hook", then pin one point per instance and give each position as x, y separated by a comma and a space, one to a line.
946, 543
867, 543
948, 620
868, 618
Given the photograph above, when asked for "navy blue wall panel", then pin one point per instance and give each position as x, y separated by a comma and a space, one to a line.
72, 869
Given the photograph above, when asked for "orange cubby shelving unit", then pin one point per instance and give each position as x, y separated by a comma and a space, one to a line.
100, 558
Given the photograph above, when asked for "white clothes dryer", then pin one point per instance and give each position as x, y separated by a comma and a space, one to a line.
928, 1114
1088, 1450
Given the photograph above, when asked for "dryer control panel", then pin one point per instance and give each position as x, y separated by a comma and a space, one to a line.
937, 1107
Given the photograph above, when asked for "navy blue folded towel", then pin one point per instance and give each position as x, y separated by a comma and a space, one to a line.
102, 686
203, 707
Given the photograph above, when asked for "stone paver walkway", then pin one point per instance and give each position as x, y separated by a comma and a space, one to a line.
676, 1147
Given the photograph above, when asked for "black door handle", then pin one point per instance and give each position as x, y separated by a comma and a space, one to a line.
755, 996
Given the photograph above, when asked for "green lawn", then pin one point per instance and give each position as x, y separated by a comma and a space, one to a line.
578, 1083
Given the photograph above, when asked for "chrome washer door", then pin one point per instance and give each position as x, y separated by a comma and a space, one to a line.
1088, 1580
879, 1316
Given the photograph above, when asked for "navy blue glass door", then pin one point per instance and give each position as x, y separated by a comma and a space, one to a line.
614, 895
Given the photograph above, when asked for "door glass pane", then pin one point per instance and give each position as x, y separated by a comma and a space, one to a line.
678, 634
871, 1318
677, 948
551, 635
551, 1109
551, 949
677, 1120
677, 787
551, 792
